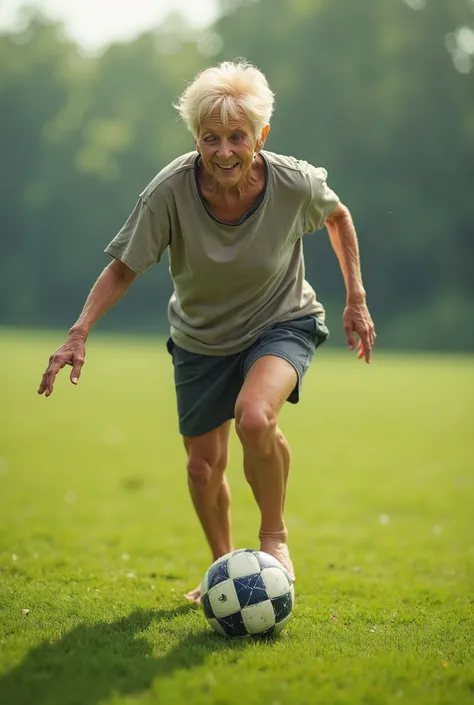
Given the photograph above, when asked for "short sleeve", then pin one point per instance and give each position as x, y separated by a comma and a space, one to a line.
322, 200
141, 241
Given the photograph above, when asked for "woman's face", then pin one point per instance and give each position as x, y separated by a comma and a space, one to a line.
228, 153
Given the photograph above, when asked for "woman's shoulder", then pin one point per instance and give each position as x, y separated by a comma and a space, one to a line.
178, 168
283, 162
297, 169
291, 172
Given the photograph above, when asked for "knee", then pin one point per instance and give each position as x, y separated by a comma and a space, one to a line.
205, 473
256, 426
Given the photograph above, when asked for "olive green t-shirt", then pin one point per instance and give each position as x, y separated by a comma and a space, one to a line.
231, 281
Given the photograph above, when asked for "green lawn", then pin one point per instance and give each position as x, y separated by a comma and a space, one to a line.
99, 541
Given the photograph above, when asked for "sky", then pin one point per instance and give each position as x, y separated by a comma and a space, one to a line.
96, 23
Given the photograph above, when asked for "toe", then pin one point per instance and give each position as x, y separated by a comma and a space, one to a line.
194, 595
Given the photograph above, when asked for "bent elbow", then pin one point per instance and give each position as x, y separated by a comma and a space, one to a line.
340, 212
123, 272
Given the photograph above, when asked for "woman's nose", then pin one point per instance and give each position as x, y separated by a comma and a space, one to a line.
225, 149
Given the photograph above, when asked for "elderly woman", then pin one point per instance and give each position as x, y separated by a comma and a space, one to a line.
244, 323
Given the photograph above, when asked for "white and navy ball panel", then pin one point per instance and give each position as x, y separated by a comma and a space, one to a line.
217, 627
204, 584
283, 605
250, 590
259, 618
218, 572
233, 625
243, 563
247, 592
223, 598
276, 581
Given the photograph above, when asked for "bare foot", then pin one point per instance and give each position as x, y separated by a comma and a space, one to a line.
194, 595
280, 551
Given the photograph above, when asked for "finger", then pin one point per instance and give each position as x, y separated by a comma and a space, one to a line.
47, 382
365, 340
55, 366
46, 385
350, 336
78, 361
360, 350
43, 384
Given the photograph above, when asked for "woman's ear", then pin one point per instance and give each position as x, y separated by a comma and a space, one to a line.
263, 137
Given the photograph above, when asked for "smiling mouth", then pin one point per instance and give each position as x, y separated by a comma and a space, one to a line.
229, 167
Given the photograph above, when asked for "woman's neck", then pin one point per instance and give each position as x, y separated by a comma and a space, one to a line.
251, 185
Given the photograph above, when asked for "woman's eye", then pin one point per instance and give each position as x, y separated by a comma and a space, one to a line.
237, 137
209, 138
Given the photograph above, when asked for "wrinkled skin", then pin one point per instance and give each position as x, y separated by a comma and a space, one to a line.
71, 352
357, 319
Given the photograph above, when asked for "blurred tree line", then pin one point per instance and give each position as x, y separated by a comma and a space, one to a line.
380, 93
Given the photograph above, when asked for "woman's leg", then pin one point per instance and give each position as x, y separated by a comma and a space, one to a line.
268, 384
207, 461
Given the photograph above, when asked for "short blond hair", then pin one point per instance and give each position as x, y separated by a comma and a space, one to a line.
236, 87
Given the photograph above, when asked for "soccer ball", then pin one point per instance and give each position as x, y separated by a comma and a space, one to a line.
247, 593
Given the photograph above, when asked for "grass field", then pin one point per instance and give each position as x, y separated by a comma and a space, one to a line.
98, 539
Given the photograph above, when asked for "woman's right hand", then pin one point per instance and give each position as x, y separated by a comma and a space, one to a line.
71, 352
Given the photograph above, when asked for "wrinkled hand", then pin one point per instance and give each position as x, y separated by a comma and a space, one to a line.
357, 319
71, 352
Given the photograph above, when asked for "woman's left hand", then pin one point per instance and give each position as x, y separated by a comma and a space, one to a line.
357, 319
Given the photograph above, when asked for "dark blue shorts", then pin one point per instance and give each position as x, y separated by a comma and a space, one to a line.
207, 386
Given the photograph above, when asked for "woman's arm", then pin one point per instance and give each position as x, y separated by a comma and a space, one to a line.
346, 246
357, 318
109, 288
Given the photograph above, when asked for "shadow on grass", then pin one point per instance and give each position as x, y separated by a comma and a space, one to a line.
93, 662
